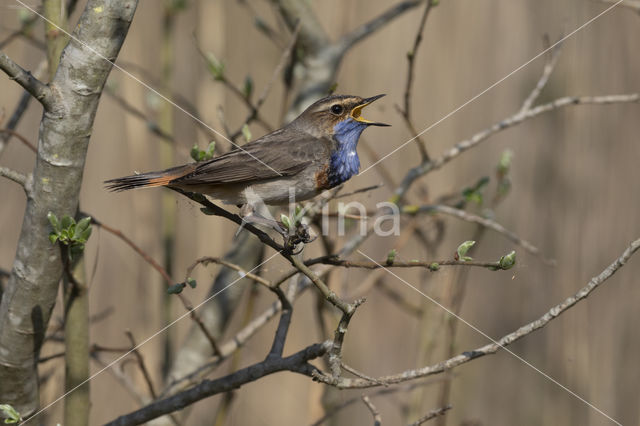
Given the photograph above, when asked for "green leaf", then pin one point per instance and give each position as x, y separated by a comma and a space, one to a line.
391, 257
192, 283
216, 67
463, 249
53, 237
247, 89
12, 416
53, 220
84, 236
195, 152
176, 288
285, 221
67, 221
246, 132
210, 150
508, 260
83, 223
504, 164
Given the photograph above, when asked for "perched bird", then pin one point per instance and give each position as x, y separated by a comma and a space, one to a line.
315, 152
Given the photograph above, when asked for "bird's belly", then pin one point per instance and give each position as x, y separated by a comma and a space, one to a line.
278, 191
281, 191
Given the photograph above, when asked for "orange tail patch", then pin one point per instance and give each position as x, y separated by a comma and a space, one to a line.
148, 180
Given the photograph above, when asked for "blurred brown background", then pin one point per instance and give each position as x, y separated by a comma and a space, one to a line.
575, 195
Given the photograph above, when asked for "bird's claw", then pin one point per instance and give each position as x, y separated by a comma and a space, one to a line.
293, 237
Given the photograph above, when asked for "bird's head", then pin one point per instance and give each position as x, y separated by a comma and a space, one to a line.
337, 115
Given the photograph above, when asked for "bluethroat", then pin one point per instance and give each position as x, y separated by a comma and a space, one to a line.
313, 153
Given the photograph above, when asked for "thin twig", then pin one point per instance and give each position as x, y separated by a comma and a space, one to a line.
208, 259
21, 138
377, 419
155, 265
141, 364
549, 66
431, 415
411, 57
508, 122
431, 265
284, 58
365, 30
487, 223
495, 345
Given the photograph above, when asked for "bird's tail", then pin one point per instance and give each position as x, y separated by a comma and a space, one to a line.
149, 179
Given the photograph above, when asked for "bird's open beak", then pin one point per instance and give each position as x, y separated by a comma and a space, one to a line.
357, 111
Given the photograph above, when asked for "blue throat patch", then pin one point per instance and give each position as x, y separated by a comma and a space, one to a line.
344, 161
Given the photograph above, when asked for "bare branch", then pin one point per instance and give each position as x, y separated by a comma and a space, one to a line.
377, 419
411, 57
360, 33
18, 178
487, 223
495, 345
296, 362
431, 265
284, 58
155, 265
21, 138
549, 66
431, 415
141, 364
508, 122
35, 87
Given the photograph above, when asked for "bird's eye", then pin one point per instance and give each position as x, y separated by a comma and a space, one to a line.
336, 109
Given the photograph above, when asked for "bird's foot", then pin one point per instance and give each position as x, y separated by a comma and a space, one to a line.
298, 235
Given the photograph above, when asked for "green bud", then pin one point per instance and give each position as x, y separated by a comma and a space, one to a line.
53, 220
176, 288
463, 249
192, 283
216, 67
285, 221
10, 414
504, 164
247, 89
391, 257
246, 133
24, 16
434, 266
195, 152
210, 150
508, 260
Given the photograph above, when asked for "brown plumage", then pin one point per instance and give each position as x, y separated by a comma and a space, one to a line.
295, 158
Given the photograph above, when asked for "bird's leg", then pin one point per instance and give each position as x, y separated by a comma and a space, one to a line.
249, 215
299, 232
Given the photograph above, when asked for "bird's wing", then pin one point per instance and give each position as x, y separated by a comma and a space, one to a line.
281, 153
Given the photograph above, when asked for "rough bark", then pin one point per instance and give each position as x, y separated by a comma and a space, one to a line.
63, 140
